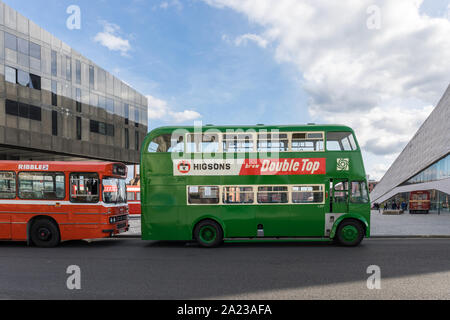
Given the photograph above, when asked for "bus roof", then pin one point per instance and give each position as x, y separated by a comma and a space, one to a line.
62, 166
311, 127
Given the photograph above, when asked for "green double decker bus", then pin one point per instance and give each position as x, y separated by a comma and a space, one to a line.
214, 183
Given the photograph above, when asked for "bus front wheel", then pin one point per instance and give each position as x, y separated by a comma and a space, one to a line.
208, 234
350, 233
44, 233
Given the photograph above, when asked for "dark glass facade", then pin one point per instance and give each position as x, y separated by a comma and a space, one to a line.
437, 171
52, 99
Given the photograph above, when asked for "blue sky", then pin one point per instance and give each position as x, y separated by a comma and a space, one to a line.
272, 62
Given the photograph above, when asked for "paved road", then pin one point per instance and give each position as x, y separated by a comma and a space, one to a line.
133, 269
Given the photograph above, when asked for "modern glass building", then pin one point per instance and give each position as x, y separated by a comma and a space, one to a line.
56, 104
424, 165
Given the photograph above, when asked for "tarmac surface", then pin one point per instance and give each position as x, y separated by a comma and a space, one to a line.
129, 268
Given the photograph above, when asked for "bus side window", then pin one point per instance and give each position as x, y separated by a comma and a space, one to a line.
341, 141
84, 188
130, 196
203, 195
7, 185
273, 195
359, 192
160, 144
203, 143
340, 192
238, 195
41, 186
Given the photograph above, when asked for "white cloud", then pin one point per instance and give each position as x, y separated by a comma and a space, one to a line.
173, 3
160, 110
110, 39
243, 39
380, 82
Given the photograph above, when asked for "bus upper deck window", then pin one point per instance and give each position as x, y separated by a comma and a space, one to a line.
205, 143
160, 144
341, 141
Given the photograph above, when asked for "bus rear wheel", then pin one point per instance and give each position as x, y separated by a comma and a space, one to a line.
350, 233
44, 233
208, 234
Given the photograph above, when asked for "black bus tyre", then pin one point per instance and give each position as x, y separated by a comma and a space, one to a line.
44, 233
208, 234
350, 233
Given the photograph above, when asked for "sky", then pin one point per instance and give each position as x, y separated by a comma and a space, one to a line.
379, 66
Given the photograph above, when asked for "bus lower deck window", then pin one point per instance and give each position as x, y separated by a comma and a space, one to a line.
203, 195
7, 185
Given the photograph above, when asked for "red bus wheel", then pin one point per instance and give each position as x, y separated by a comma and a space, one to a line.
44, 233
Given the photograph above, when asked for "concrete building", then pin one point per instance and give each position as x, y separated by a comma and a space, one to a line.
56, 104
424, 164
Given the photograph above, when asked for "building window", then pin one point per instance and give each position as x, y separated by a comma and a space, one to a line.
23, 110
136, 141
10, 41
68, 68
101, 128
12, 108
54, 93
54, 123
78, 99
78, 128
110, 130
110, 105
35, 51
91, 77
54, 64
23, 78
127, 113
35, 82
10, 74
23, 46
78, 72
35, 113
127, 139
136, 117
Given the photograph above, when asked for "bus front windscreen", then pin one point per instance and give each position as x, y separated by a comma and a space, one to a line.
114, 190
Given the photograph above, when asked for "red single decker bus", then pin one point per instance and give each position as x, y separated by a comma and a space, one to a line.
45, 203
419, 202
134, 199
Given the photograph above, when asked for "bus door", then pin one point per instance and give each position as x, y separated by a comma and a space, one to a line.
339, 196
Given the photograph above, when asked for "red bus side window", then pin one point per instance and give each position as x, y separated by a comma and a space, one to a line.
7, 185
41, 186
84, 188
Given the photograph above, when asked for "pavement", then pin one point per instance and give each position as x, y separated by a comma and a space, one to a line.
381, 225
134, 269
410, 224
